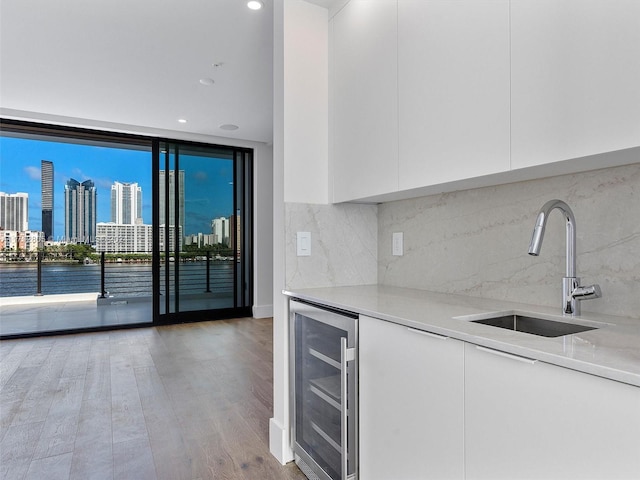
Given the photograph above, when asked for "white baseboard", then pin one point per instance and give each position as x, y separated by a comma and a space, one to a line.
279, 442
262, 311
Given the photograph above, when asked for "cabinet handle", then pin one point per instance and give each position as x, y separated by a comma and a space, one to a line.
517, 358
427, 334
346, 355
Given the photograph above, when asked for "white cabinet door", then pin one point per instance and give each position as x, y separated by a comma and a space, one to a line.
574, 78
411, 410
364, 159
527, 419
453, 79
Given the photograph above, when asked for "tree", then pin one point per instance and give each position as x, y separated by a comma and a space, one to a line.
80, 251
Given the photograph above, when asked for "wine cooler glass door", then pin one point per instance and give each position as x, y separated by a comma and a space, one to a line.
324, 365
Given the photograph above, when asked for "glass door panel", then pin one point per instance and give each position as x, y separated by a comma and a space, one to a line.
324, 390
75, 222
318, 388
204, 220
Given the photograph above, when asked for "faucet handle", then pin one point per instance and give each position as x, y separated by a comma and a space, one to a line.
584, 293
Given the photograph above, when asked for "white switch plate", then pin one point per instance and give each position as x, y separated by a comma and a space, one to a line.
303, 244
398, 240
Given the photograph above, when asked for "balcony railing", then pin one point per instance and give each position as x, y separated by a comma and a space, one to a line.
116, 279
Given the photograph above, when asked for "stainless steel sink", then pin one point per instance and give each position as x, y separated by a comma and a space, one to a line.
533, 325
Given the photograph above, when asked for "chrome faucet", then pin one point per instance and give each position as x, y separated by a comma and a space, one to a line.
571, 289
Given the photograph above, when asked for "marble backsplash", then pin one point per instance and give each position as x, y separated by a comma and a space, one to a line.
475, 242
344, 245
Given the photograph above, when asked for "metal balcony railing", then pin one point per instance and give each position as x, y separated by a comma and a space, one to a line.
114, 279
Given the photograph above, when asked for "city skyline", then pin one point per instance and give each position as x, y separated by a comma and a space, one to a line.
21, 172
208, 181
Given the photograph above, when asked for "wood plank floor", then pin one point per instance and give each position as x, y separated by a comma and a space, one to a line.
188, 401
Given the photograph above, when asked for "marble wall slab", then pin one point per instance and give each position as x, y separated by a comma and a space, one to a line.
475, 242
344, 245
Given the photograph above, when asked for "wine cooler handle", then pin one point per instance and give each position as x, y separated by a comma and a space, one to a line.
346, 355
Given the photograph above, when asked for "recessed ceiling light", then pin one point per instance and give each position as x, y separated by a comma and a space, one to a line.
182, 120
207, 81
255, 4
229, 126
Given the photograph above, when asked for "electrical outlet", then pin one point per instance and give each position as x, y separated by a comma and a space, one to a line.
397, 244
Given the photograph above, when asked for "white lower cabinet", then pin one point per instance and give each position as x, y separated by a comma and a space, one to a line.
528, 419
433, 407
411, 403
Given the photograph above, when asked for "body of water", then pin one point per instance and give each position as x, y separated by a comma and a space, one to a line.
121, 280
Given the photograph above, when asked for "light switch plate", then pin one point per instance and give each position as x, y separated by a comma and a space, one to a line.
303, 244
398, 247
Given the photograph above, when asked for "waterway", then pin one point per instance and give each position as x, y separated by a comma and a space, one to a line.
18, 279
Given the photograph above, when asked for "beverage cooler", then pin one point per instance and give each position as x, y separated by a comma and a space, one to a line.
323, 386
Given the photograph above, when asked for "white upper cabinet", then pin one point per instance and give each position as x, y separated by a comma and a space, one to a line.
575, 71
365, 100
436, 95
453, 84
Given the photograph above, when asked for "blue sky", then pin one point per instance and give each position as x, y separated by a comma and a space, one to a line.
208, 182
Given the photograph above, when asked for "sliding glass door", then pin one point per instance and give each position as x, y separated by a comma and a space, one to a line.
203, 211
110, 230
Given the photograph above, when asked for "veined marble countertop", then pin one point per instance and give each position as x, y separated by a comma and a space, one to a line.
611, 351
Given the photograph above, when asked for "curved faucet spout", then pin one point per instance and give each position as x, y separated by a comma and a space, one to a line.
572, 291
541, 223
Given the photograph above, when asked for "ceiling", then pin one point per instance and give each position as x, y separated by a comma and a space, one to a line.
139, 63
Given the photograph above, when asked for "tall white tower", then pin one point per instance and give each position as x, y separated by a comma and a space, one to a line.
126, 203
220, 230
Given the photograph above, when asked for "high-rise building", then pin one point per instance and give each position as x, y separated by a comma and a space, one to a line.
80, 202
46, 170
115, 238
171, 198
220, 230
14, 211
126, 203
235, 233
124, 238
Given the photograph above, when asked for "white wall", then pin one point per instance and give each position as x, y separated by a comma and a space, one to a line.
263, 231
306, 103
300, 146
279, 444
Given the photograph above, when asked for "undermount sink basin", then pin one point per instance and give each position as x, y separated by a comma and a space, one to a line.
535, 326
